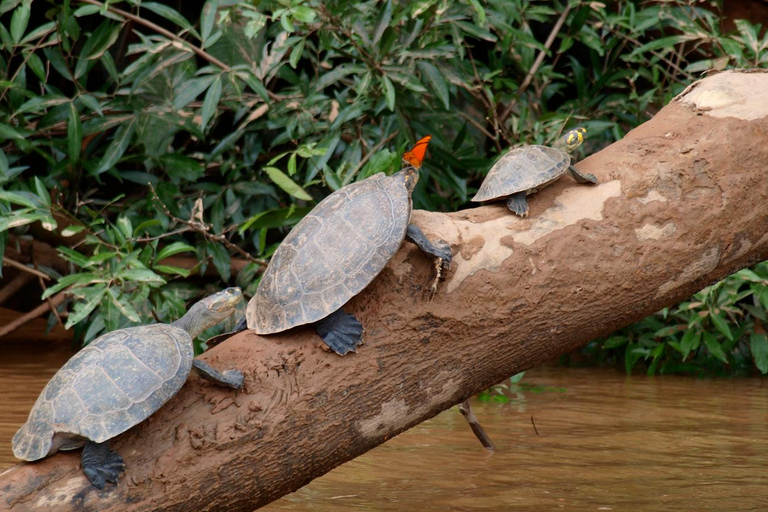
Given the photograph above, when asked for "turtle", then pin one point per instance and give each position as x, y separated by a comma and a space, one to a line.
528, 169
335, 251
117, 381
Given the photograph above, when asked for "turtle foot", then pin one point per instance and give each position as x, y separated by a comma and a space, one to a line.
582, 177
341, 331
437, 249
518, 204
100, 464
230, 378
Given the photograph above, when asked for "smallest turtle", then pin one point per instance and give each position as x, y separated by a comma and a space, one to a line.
528, 169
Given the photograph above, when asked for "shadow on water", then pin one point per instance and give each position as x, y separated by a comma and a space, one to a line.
606, 442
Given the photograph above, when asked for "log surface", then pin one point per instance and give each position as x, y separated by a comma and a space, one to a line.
680, 204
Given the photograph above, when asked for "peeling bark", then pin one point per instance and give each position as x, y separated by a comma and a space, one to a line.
680, 204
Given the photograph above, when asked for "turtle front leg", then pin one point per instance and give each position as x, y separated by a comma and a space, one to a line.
230, 378
518, 204
341, 331
437, 249
581, 177
100, 464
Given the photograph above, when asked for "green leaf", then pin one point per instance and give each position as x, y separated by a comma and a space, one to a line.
74, 133
70, 280
71, 230
97, 44
142, 275
191, 89
690, 342
721, 324
125, 226
20, 20
758, 345
221, 260
35, 63
211, 102
83, 308
714, 347
7, 132
20, 218
174, 248
296, 53
382, 23
21, 198
208, 18
436, 82
117, 147
168, 269
170, 14
73, 256
280, 179
389, 92
124, 306
615, 341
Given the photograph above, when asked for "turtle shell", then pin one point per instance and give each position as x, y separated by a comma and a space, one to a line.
112, 384
332, 254
528, 168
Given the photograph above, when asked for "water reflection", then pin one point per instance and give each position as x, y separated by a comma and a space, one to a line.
606, 442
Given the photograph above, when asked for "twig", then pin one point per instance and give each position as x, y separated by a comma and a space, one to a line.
537, 63
55, 301
13, 263
534, 427
44, 288
160, 30
199, 227
14, 286
478, 429
372, 151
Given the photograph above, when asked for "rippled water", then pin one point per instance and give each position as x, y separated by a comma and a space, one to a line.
605, 442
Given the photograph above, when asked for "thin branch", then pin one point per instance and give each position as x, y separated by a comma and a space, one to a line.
537, 63
369, 153
478, 429
199, 227
55, 301
45, 288
13, 263
10, 289
160, 30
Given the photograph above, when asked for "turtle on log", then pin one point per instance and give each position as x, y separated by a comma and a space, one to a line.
336, 251
117, 381
526, 170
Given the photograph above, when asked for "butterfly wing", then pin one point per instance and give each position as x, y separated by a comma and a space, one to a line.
415, 156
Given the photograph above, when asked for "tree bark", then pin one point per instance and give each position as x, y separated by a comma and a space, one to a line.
681, 203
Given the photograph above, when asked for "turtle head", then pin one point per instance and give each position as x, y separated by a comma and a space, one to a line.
410, 177
210, 311
573, 139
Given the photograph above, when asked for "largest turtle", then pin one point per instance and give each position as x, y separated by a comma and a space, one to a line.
336, 251
117, 381
527, 169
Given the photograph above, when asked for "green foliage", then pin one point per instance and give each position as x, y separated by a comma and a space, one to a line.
132, 131
719, 331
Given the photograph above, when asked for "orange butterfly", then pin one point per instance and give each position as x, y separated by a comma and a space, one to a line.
415, 156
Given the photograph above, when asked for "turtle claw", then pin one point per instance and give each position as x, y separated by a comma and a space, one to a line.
437, 249
100, 464
341, 331
518, 204
230, 378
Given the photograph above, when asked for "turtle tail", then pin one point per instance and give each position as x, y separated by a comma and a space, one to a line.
33, 441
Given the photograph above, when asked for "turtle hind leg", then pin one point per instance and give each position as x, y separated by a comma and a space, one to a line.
581, 177
518, 204
437, 249
341, 331
100, 464
230, 378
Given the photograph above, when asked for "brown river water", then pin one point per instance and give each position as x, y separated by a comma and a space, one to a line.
605, 442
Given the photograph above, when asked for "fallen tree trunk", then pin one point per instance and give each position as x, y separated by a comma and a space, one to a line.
680, 204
